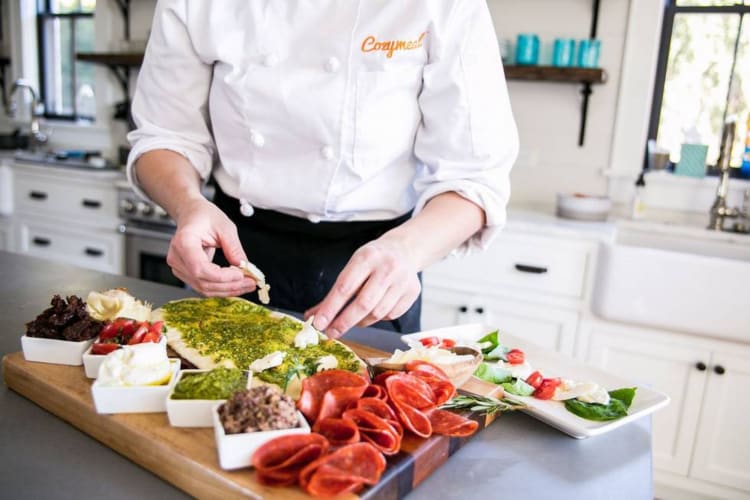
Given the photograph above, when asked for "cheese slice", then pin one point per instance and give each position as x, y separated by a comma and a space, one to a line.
251, 270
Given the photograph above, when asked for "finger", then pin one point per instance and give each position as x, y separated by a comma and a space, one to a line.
233, 289
230, 244
347, 284
311, 312
403, 305
384, 307
362, 305
195, 262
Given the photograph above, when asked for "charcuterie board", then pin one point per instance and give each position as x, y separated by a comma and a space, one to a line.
186, 457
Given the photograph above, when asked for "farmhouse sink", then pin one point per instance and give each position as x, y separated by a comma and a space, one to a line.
691, 281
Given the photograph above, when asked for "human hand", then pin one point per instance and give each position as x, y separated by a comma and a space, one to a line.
201, 229
382, 281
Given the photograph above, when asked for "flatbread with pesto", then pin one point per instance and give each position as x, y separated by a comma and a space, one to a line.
234, 332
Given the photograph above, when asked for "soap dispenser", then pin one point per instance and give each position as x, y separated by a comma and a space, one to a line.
637, 206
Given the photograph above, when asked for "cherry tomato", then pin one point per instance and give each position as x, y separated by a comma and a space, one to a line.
515, 357
108, 331
157, 327
430, 341
535, 379
151, 337
125, 326
547, 388
99, 348
447, 344
138, 335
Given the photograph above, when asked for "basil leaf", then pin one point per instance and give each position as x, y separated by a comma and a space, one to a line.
490, 338
518, 387
492, 373
619, 403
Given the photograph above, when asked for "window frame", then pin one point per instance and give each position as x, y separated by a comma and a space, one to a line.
45, 13
671, 9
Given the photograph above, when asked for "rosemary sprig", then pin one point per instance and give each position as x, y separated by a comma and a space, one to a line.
485, 405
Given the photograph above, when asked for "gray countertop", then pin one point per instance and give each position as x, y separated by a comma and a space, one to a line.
516, 457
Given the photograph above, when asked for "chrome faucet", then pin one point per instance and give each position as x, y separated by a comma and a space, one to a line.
38, 138
719, 210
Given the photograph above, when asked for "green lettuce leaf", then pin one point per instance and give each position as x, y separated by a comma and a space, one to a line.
619, 403
492, 373
518, 387
495, 350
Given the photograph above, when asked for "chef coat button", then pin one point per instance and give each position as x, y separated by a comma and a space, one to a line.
271, 60
257, 139
313, 218
246, 208
326, 152
332, 64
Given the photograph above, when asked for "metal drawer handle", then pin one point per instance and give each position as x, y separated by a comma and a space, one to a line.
91, 203
38, 195
94, 252
41, 242
719, 370
525, 268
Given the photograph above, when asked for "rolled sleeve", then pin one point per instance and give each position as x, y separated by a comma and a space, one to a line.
467, 141
170, 105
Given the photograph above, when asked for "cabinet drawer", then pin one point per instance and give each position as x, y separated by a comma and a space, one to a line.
94, 250
82, 202
532, 263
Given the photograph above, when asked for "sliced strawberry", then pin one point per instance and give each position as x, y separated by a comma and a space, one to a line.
157, 327
151, 337
139, 333
103, 348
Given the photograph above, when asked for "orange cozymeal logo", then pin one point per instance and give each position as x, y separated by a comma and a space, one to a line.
372, 44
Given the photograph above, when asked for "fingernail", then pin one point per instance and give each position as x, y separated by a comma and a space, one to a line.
334, 333
320, 322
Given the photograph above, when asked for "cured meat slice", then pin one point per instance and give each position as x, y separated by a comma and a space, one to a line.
442, 389
449, 424
315, 387
338, 399
426, 366
413, 419
381, 377
377, 407
375, 430
337, 431
279, 461
345, 470
375, 391
407, 389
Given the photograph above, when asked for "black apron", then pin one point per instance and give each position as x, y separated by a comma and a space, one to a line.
302, 259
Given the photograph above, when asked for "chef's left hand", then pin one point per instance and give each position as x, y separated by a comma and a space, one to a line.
378, 283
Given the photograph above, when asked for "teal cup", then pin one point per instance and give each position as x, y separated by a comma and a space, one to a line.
588, 53
527, 49
563, 54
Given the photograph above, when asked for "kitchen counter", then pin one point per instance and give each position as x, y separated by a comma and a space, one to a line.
44, 457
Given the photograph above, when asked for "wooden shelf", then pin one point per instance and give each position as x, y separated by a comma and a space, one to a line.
126, 59
555, 74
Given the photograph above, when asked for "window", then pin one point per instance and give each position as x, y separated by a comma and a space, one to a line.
703, 76
67, 86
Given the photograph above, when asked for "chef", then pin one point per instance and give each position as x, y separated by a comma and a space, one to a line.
353, 143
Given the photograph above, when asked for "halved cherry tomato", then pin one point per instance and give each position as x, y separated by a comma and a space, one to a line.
535, 379
151, 337
447, 344
547, 388
157, 327
126, 326
138, 335
430, 341
103, 348
108, 331
515, 357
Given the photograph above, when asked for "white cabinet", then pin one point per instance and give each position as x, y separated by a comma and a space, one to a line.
68, 216
5, 235
702, 435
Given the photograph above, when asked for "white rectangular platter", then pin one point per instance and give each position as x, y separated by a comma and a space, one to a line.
553, 364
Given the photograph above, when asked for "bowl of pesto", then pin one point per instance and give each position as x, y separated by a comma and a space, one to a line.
196, 392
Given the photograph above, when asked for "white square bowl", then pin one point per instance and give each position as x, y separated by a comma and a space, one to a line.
144, 399
236, 450
61, 352
92, 362
190, 412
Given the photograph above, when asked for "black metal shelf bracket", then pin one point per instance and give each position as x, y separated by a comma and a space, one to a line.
587, 90
124, 6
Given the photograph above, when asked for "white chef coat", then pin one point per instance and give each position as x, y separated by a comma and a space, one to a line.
335, 110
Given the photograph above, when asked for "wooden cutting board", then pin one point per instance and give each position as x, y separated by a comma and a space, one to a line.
187, 457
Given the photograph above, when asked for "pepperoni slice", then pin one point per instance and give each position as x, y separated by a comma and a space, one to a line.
449, 424
413, 419
381, 377
315, 387
347, 469
375, 430
337, 431
338, 399
426, 366
407, 389
377, 407
375, 391
442, 389
279, 461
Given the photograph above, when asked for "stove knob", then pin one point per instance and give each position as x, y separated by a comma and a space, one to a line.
127, 206
145, 209
161, 213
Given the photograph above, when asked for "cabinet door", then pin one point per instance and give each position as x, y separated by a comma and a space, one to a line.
542, 325
722, 451
4, 238
665, 364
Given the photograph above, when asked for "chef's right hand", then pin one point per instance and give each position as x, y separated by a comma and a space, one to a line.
202, 228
